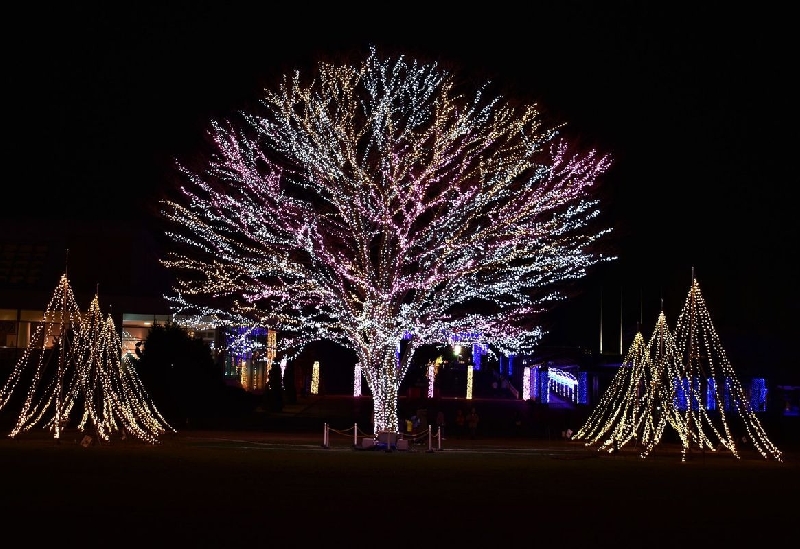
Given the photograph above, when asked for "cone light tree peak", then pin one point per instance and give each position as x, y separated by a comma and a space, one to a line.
380, 202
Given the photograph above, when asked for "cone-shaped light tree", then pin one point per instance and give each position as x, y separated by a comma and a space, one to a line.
660, 397
639, 401
47, 374
683, 380
109, 392
716, 410
380, 202
81, 378
618, 415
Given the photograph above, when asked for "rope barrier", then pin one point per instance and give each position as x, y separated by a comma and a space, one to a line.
355, 433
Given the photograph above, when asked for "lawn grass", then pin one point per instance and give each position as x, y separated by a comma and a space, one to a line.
245, 489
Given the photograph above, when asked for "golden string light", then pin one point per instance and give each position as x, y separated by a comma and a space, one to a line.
82, 381
315, 378
681, 379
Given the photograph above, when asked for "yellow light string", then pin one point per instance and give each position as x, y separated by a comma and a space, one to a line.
90, 385
678, 379
315, 378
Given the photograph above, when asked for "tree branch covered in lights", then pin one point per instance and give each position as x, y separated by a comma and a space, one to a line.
683, 380
379, 202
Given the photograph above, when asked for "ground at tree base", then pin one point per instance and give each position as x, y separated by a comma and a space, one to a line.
237, 488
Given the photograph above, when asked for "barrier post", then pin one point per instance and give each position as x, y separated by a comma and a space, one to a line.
430, 445
355, 434
325, 435
439, 438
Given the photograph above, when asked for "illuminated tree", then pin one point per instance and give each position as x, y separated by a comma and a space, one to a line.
81, 378
639, 401
618, 414
715, 407
683, 380
662, 406
379, 203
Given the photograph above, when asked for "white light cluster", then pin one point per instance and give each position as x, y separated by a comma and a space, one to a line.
526, 383
381, 202
315, 378
563, 383
643, 397
357, 380
82, 379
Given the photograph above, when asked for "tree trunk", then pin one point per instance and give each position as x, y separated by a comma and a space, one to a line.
383, 377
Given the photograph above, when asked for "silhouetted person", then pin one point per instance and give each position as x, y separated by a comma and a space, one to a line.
276, 387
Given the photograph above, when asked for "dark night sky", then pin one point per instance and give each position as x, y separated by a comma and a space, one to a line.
691, 103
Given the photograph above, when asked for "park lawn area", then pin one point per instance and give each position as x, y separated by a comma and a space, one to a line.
231, 489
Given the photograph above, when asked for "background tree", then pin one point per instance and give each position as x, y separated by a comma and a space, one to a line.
180, 373
380, 202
